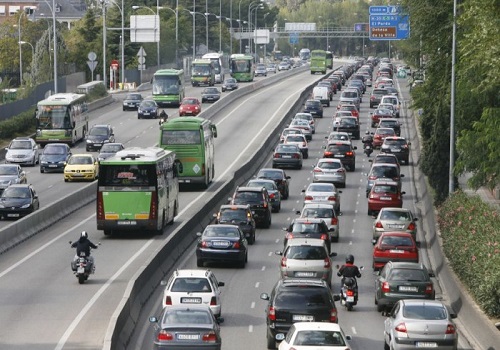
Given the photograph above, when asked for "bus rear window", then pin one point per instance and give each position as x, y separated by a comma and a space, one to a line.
180, 137
127, 175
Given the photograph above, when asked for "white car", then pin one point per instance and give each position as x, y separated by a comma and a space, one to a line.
327, 213
299, 140
394, 100
309, 117
22, 150
323, 193
314, 335
193, 287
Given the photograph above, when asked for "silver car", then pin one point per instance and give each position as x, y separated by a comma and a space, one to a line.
323, 193
303, 125
309, 117
338, 136
306, 258
420, 324
22, 150
330, 170
394, 219
327, 213
11, 174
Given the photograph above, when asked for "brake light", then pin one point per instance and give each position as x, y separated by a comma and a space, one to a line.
283, 262
153, 207
236, 245
378, 224
372, 177
348, 154
450, 329
296, 155
209, 337
332, 198
327, 154
308, 198
401, 328
428, 289
327, 263
271, 314
168, 300
165, 336
411, 226
289, 235
276, 155
333, 315
204, 244
213, 301
100, 206
350, 292
271, 195
385, 287
378, 137
372, 98
335, 221
317, 170
324, 237
341, 170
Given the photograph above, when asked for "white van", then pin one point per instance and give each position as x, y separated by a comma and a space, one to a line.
321, 93
392, 100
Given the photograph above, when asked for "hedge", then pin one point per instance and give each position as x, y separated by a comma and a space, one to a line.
470, 230
22, 124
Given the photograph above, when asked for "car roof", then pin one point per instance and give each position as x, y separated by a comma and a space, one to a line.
192, 273
305, 241
318, 205
262, 180
249, 189
329, 160
318, 326
235, 206
406, 265
308, 220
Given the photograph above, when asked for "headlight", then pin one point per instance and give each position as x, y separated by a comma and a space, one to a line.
89, 141
26, 206
43, 162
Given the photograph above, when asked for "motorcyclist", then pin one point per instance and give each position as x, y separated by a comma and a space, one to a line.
349, 270
163, 117
367, 140
83, 246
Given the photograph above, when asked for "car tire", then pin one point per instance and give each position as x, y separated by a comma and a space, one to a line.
380, 308
42, 170
271, 342
199, 263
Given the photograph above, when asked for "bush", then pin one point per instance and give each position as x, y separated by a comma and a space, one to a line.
24, 123
98, 92
470, 230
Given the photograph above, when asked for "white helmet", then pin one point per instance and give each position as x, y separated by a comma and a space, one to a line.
84, 234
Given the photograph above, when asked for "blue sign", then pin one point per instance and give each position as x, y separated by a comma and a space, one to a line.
387, 23
294, 38
361, 27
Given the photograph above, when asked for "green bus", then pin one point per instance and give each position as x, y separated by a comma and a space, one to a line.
62, 118
318, 61
242, 67
192, 140
138, 190
202, 72
168, 87
329, 60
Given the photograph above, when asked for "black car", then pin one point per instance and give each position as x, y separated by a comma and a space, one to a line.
343, 150
99, 135
109, 149
308, 228
229, 84
392, 123
298, 300
132, 102
397, 146
280, 177
240, 215
314, 107
221, 243
199, 327
54, 156
350, 125
210, 94
17, 201
148, 109
258, 200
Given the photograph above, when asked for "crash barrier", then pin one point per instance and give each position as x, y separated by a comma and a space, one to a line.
143, 285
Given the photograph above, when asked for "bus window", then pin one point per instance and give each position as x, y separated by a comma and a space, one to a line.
180, 137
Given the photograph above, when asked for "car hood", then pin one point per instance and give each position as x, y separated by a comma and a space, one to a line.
19, 152
52, 158
73, 167
147, 108
14, 202
6, 180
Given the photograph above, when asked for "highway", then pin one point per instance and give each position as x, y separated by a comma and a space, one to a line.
44, 307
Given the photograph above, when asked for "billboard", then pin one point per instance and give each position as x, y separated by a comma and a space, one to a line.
144, 29
300, 27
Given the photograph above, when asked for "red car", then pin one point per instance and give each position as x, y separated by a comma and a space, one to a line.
384, 193
190, 106
380, 135
351, 108
394, 246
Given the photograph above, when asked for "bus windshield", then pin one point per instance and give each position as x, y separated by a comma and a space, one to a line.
127, 175
165, 84
239, 65
53, 117
203, 70
180, 137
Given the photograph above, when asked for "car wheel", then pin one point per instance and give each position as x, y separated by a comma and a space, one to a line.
199, 263
271, 342
386, 346
42, 170
65, 180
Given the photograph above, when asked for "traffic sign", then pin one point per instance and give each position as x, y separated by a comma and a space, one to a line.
388, 23
115, 64
294, 38
361, 27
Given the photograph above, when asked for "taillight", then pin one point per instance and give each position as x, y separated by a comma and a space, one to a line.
324, 237
204, 244
153, 207
332, 198
272, 196
271, 314
308, 198
327, 154
428, 289
296, 155
372, 98
327, 263
333, 315
165, 336
401, 328
236, 245
283, 262
209, 337
100, 206
341, 171
168, 300
317, 170
350, 292
213, 301
289, 235
335, 221
276, 155
378, 224
450, 329
411, 226
378, 137
372, 178
385, 287
349, 154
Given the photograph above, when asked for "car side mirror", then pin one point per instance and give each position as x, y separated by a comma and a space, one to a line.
220, 320
431, 274
332, 254
221, 284
402, 175
303, 191
264, 296
278, 252
403, 192
374, 241
297, 212
153, 319
348, 337
163, 283
340, 191
198, 234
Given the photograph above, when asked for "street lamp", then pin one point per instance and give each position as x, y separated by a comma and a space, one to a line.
176, 12
53, 10
20, 50
33, 58
239, 29
253, 5
48, 29
206, 14
194, 13
157, 15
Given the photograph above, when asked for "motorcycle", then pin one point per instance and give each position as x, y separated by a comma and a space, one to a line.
368, 149
83, 266
367, 141
349, 292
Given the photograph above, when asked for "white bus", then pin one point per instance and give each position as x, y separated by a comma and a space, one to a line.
305, 54
216, 58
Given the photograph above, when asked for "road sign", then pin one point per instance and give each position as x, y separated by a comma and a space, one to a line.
388, 23
115, 64
142, 59
294, 38
92, 65
361, 27
92, 56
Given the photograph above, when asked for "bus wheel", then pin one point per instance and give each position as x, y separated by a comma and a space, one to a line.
107, 232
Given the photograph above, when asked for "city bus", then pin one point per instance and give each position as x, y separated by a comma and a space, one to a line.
318, 61
216, 59
62, 118
168, 87
202, 72
305, 54
277, 55
242, 67
192, 140
138, 191
329, 60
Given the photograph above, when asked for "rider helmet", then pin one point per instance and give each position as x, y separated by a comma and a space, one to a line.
349, 259
84, 234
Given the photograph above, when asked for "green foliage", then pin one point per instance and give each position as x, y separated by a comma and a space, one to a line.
97, 93
24, 123
470, 230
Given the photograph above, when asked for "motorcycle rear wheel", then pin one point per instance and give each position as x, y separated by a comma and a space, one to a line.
81, 278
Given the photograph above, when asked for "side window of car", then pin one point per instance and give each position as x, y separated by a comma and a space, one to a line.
213, 281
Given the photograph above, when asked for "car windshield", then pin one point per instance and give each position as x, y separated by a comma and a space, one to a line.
413, 275
321, 188
98, 132
233, 214
189, 101
425, 312
319, 338
230, 81
174, 317
221, 231
295, 138
306, 253
315, 104
244, 197
191, 284
396, 241
8, 170
306, 297
395, 215
16, 192
20, 145
386, 189
211, 91
109, 148
148, 104
317, 213
53, 150
133, 97
306, 227
271, 174
80, 160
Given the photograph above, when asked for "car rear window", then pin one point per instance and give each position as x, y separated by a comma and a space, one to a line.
339, 148
384, 171
306, 227
395, 215
318, 213
385, 131
233, 214
329, 165
350, 94
191, 284
175, 317
270, 186
306, 253
303, 298
381, 92
389, 189
295, 138
395, 142
313, 103
407, 275
396, 241
425, 312
247, 197
319, 338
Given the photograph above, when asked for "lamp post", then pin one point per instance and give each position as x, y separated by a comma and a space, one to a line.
33, 58
104, 65
451, 181
252, 6
20, 50
194, 33
194, 13
48, 28
53, 10
176, 12
157, 28
206, 14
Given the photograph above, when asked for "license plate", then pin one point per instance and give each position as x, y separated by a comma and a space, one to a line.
287, 156
145, 113
304, 274
349, 133
395, 226
127, 222
339, 156
420, 344
385, 198
306, 318
191, 300
188, 336
349, 299
222, 244
407, 289
52, 166
395, 150
12, 215
80, 270
397, 251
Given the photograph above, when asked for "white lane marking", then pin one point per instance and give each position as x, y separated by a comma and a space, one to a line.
257, 285
271, 253
350, 242
252, 305
96, 296
354, 330
29, 256
263, 268
250, 328
277, 241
